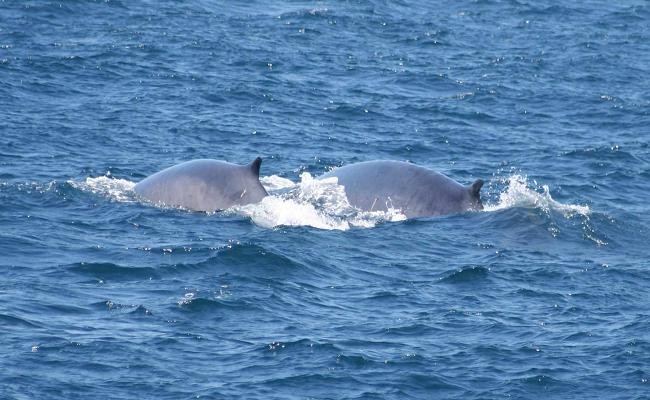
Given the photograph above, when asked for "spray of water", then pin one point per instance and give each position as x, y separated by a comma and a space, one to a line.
519, 194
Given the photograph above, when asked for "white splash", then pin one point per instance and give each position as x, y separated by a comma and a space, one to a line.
311, 202
116, 189
275, 211
273, 183
186, 299
518, 194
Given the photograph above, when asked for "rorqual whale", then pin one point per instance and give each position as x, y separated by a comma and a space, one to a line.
204, 185
414, 190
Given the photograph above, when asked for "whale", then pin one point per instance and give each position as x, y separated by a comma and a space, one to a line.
413, 190
204, 185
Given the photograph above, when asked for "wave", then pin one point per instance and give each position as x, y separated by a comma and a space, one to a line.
107, 271
469, 274
519, 194
190, 302
9, 320
112, 306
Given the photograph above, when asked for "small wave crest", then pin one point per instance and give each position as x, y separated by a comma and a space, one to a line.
470, 274
519, 194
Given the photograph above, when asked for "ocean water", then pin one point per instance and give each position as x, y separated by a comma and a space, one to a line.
544, 294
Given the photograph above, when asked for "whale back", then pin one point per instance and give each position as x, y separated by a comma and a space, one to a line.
415, 190
204, 185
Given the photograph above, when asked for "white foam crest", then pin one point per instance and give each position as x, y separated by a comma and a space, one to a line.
311, 202
331, 197
302, 204
518, 194
326, 193
275, 211
116, 189
274, 183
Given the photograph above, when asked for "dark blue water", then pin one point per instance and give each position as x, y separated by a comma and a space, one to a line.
543, 294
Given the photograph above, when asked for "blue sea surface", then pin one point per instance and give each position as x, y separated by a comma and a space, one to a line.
544, 294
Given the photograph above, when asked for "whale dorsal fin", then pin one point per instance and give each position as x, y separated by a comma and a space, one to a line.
475, 193
255, 166
475, 189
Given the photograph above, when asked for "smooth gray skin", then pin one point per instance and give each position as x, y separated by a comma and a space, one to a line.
204, 185
416, 191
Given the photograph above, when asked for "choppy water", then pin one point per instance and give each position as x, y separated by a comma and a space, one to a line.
543, 294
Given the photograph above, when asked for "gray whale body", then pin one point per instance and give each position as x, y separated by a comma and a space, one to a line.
204, 185
415, 190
